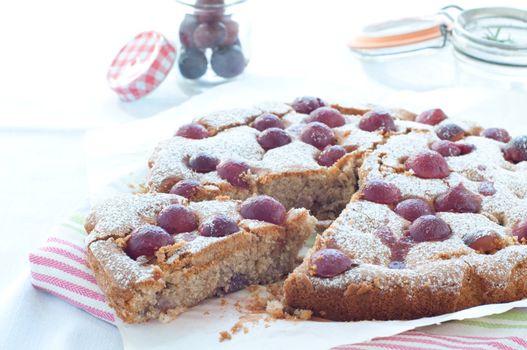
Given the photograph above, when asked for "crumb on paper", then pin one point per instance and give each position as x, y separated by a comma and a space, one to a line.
224, 335
223, 301
206, 313
275, 308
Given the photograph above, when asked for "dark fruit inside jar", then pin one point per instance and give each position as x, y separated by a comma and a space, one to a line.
413, 208
177, 218
209, 35
234, 172
192, 63
228, 62
186, 30
218, 226
146, 240
458, 200
273, 138
318, 135
329, 263
429, 228
327, 115
203, 162
516, 150
263, 208
497, 134
185, 188
431, 116
428, 165
330, 155
192, 131
377, 120
232, 32
307, 104
382, 192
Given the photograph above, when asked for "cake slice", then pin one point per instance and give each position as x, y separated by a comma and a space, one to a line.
154, 255
436, 226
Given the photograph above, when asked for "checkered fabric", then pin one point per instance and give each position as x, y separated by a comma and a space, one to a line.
141, 65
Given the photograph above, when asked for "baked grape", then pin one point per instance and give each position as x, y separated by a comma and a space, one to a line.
431, 116
450, 132
234, 172
203, 162
273, 138
177, 218
146, 240
429, 228
218, 226
307, 104
327, 115
318, 135
185, 188
413, 208
330, 155
458, 200
483, 242
486, 188
516, 150
263, 208
266, 121
329, 263
520, 231
193, 131
497, 134
377, 120
382, 192
428, 165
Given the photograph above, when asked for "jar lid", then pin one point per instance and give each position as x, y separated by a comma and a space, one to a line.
493, 34
141, 65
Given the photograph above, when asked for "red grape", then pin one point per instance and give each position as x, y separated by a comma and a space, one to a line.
266, 121
450, 132
413, 208
382, 192
327, 115
234, 172
458, 200
185, 188
146, 240
307, 104
218, 226
377, 120
177, 218
318, 135
273, 138
484, 242
520, 231
516, 150
263, 208
209, 34
329, 262
186, 30
330, 155
203, 162
428, 165
192, 131
431, 116
429, 228
497, 134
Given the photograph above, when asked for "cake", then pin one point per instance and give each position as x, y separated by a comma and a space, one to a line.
426, 215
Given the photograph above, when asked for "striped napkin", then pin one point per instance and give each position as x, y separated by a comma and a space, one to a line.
60, 268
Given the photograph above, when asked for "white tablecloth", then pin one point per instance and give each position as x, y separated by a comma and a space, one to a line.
53, 64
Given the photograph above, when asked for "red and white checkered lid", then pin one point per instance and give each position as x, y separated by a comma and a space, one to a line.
141, 65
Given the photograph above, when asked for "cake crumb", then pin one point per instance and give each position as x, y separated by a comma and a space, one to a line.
224, 335
206, 313
275, 308
223, 301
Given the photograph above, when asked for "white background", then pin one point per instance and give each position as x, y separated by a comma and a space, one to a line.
53, 60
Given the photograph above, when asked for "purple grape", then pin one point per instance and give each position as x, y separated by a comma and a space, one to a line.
431, 116
228, 62
192, 63
458, 200
450, 132
263, 208
516, 150
329, 263
273, 138
185, 188
497, 134
520, 231
307, 104
318, 135
327, 115
234, 172
428, 165
193, 131
209, 34
177, 218
429, 228
218, 226
413, 208
146, 240
330, 155
446, 148
266, 121
203, 162
377, 120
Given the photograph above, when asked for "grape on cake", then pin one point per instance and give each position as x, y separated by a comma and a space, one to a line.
429, 214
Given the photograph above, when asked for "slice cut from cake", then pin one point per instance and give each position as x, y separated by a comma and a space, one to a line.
156, 254
435, 227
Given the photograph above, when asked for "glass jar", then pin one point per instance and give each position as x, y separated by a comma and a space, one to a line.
214, 40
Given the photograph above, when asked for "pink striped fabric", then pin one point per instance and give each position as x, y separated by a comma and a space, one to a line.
60, 268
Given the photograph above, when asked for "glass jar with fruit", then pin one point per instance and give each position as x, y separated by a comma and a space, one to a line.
214, 43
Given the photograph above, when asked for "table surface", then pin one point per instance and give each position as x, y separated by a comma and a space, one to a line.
54, 59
